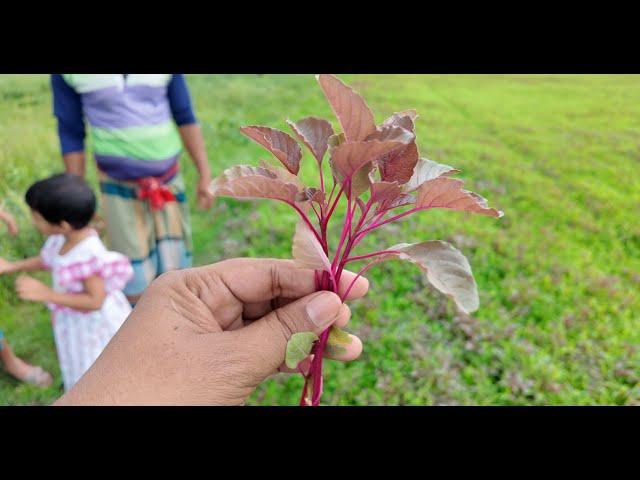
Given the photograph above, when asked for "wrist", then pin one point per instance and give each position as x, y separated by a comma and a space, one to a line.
49, 295
205, 171
204, 181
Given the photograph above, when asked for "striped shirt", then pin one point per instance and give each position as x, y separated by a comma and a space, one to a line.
133, 120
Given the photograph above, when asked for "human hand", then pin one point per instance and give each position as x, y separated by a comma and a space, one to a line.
205, 197
30, 289
5, 266
211, 335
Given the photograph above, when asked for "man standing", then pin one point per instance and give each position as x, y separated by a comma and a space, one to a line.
136, 145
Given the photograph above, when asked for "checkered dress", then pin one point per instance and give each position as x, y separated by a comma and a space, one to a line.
81, 336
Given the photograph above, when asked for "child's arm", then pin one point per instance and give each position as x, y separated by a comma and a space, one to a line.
91, 299
27, 265
10, 222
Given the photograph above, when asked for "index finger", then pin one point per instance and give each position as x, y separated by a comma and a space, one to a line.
253, 280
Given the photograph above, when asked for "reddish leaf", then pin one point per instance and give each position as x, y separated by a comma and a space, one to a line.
392, 133
384, 193
247, 182
361, 180
311, 194
314, 133
443, 192
405, 119
336, 140
398, 165
279, 143
446, 269
354, 115
349, 157
402, 201
307, 251
426, 170
283, 174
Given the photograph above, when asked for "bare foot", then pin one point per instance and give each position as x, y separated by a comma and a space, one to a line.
31, 374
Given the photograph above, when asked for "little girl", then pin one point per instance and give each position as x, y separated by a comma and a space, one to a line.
87, 303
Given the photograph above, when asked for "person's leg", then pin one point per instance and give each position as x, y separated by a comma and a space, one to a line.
130, 231
21, 370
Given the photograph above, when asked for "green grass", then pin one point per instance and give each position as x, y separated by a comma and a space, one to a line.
558, 276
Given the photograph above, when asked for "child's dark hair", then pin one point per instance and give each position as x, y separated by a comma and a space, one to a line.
63, 198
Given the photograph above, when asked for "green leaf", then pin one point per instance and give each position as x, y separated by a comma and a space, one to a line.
337, 338
299, 347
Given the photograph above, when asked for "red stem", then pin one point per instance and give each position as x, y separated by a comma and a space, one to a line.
378, 224
317, 368
335, 203
360, 273
314, 374
364, 214
303, 402
321, 177
369, 255
332, 191
345, 229
316, 212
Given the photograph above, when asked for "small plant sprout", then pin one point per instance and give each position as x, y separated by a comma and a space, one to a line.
377, 172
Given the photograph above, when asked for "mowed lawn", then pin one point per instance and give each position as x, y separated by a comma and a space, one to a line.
559, 275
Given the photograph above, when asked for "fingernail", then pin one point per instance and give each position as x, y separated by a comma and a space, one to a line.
323, 308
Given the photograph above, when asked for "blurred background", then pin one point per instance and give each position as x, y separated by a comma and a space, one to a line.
559, 275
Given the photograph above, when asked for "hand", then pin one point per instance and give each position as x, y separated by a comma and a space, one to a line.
10, 222
205, 197
211, 335
5, 266
30, 289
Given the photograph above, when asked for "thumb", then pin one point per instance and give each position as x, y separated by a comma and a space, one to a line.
267, 337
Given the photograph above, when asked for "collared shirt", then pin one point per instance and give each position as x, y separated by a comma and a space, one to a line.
133, 119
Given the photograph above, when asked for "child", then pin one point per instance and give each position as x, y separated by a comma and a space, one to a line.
14, 365
86, 300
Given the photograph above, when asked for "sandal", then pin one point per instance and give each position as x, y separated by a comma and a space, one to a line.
38, 377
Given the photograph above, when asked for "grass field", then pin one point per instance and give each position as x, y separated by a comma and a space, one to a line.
559, 275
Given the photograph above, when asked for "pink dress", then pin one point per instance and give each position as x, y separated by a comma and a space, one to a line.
81, 336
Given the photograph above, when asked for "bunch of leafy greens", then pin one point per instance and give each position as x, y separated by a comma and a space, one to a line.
378, 169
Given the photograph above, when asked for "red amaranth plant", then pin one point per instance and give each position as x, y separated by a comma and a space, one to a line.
378, 170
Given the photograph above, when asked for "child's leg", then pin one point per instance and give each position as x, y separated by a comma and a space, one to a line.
20, 369
7, 356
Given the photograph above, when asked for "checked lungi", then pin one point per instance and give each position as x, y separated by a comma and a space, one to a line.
155, 241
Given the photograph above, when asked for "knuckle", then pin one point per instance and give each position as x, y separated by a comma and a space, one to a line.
285, 322
275, 274
167, 278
